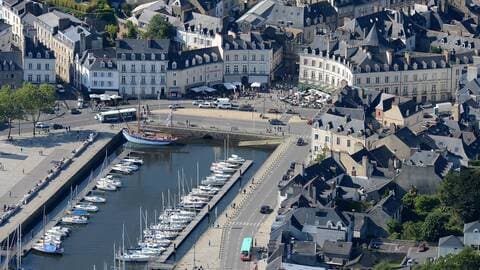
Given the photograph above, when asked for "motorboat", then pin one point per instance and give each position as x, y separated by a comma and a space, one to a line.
209, 188
222, 175
121, 169
62, 229
89, 207
102, 185
48, 248
58, 232
236, 159
214, 181
133, 160
168, 227
50, 238
134, 257
74, 220
225, 164
223, 169
203, 193
113, 182
78, 212
189, 202
128, 165
95, 199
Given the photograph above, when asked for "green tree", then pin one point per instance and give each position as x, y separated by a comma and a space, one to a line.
425, 204
465, 260
9, 107
132, 31
412, 230
460, 191
111, 30
435, 225
394, 226
384, 265
127, 9
159, 28
35, 99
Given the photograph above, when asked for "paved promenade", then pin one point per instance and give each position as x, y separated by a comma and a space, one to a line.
27, 160
217, 247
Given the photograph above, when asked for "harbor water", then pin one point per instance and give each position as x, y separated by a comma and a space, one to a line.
91, 246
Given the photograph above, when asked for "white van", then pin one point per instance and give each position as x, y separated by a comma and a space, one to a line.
225, 106
219, 101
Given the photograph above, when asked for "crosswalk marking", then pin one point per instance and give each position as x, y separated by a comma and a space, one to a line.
253, 224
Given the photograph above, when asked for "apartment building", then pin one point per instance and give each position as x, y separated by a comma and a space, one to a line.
97, 70
142, 67
21, 14
5, 37
11, 72
66, 36
193, 68
38, 63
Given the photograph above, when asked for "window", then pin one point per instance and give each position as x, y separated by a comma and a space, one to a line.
244, 69
174, 82
30, 66
253, 57
47, 78
348, 143
109, 74
245, 58
152, 68
305, 61
132, 68
123, 79
94, 74
152, 80
30, 79
39, 66
415, 77
235, 57
377, 80
109, 83
142, 68
227, 69
235, 68
142, 80
386, 79
313, 75
123, 68
47, 66
313, 63
338, 140
396, 78
316, 136
95, 83
327, 139
132, 80
368, 80
305, 73
262, 57
359, 81
227, 57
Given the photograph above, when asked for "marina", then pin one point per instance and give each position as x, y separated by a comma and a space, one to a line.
109, 209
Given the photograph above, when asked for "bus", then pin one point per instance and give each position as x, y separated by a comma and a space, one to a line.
117, 115
246, 250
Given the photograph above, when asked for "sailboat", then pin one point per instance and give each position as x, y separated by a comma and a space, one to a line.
46, 244
146, 138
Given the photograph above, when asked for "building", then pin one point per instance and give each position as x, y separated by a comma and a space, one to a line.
66, 36
188, 69
38, 63
394, 111
20, 14
142, 67
341, 130
97, 70
454, 244
5, 37
200, 32
248, 58
11, 73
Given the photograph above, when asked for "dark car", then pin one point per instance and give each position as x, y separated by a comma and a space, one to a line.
266, 209
276, 122
273, 110
246, 108
300, 142
74, 111
57, 126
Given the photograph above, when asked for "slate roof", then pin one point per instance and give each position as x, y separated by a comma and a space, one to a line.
256, 42
52, 18
200, 56
382, 155
413, 141
4, 26
142, 46
36, 48
336, 120
73, 33
317, 217
469, 227
93, 59
10, 61
337, 247
450, 241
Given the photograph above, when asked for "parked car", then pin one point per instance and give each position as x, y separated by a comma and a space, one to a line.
246, 108
60, 88
276, 122
175, 106
205, 105
225, 106
75, 111
300, 141
266, 209
273, 110
42, 125
57, 126
290, 111
197, 102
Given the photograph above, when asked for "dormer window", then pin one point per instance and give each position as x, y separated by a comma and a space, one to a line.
415, 65
174, 65
30, 54
227, 46
443, 64
110, 64
124, 57
153, 56
434, 64
143, 56
377, 68
386, 67
102, 64
367, 68
133, 56
186, 63
193, 62
395, 67
163, 56
47, 55
214, 57
39, 55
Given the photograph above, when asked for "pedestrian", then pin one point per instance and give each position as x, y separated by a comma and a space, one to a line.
233, 205
10, 193
244, 191
255, 242
208, 242
21, 149
226, 215
23, 171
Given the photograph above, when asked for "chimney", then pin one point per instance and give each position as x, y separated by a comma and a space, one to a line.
408, 58
396, 100
472, 72
446, 54
389, 54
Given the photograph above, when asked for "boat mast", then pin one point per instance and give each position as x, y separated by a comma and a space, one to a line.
140, 239
138, 114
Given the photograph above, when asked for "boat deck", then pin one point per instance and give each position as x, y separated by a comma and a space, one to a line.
166, 256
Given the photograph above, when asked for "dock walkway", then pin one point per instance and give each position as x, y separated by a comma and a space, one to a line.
203, 213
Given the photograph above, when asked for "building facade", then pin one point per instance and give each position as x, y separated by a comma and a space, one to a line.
142, 67
5, 37
424, 77
97, 70
38, 63
202, 67
20, 15
11, 72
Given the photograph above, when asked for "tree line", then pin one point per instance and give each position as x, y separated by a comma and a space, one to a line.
25, 103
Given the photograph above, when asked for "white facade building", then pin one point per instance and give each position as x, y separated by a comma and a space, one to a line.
20, 14
142, 67
38, 63
97, 70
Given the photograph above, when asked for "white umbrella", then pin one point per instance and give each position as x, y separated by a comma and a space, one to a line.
229, 86
196, 89
256, 84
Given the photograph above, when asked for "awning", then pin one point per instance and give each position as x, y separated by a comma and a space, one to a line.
94, 96
256, 84
208, 89
238, 84
229, 86
105, 97
196, 89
